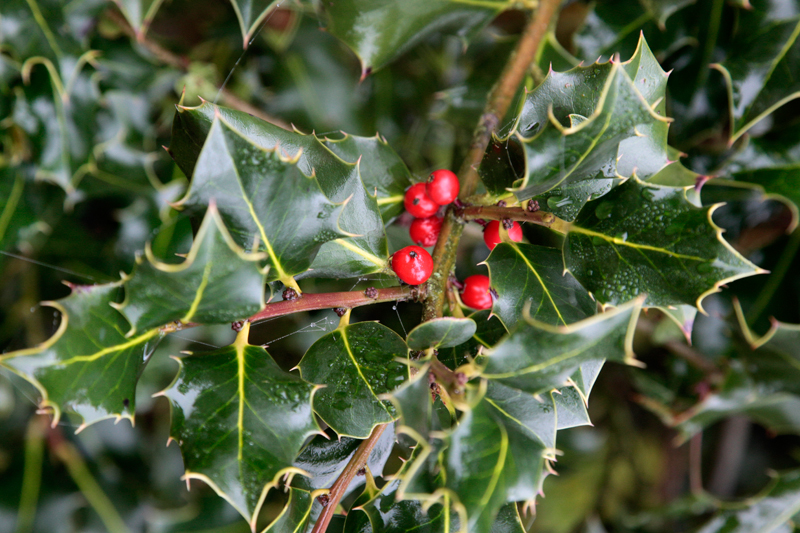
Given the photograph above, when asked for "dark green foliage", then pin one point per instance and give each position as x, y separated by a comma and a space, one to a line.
292, 130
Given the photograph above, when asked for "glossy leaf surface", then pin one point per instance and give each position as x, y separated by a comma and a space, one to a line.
531, 278
295, 515
762, 384
380, 31
648, 239
537, 357
215, 270
365, 250
240, 421
324, 458
489, 330
441, 333
88, 366
356, 364
761, 66
583, 129
772, 512
383, 172
264, 199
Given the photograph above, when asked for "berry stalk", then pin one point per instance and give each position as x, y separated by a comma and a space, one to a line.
498, 102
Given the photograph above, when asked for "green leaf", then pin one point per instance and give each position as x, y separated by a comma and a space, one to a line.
295, 515
324, 458
771, 512
60, 127
356, 364
762, 382
379, 31
530, 276
584, 129
760, 70
530, 425
365, 251
140, 13
265, 200
649, 239
240, 421
441, 333
489, 331
777, 183
479, 470
414, 405
88, 366
383, 172
388, 514
251, 13
537, 357
217, 282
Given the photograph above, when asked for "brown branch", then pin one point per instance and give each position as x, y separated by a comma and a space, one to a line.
498, 102
493, 212
331, 300
502, 93
339, 487
182, 63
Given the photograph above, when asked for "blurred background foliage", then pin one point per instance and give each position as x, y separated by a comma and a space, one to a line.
87, 95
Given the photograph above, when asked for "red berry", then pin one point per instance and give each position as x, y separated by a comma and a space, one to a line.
476, 292
425, 231
443, 186
418, 203
412, 264
491, 233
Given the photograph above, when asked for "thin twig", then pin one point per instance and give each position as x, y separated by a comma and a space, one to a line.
339, 487
493, 212
498, 102
182, 63
331, 300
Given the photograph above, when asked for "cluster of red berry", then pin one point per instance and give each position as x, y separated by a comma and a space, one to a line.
423, 201
414, 264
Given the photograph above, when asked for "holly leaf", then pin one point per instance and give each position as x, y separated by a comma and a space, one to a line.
762, 382
324, 458
526, 275
584, 129
380, 167
378, 31
441, 333
356, 364
489, 331
537, 357
387, 512
266, 201
251, 13
649, 239
414, 405
490, 458
760, 68
140, 13
240, 421
364, 251
217, 282
295, 514
772, 511
59, 126
88, 366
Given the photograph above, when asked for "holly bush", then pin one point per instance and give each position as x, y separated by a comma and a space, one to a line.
648, 151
